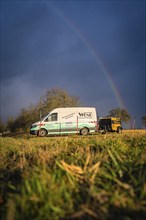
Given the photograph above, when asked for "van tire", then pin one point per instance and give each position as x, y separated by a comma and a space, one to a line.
84, 131
42, 133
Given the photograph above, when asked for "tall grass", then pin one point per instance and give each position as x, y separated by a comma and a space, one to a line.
58, 178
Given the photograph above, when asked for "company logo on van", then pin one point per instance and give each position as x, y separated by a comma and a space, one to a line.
85, 115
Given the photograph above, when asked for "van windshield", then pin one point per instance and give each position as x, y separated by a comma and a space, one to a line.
45, 116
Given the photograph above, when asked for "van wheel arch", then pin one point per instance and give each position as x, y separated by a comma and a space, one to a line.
84, 131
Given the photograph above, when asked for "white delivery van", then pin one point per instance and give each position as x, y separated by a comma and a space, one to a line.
81, 120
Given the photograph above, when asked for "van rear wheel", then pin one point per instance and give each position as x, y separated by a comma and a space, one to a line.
42, 133
84, 131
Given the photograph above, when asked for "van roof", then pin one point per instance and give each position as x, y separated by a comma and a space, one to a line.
74, 108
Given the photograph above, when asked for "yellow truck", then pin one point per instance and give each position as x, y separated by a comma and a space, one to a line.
111, 124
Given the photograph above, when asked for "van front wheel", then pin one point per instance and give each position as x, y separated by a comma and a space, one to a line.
42, 133
84, 131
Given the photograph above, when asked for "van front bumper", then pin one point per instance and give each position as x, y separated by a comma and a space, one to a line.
33, 132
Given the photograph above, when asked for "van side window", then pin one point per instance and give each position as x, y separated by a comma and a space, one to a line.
53, 117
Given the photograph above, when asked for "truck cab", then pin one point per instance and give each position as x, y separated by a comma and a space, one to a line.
110, 124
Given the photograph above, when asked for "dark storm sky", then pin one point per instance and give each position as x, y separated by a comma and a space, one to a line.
93, 49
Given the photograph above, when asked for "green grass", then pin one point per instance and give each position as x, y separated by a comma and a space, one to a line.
81, 178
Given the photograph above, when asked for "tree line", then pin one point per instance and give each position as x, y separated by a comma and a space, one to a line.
53, 98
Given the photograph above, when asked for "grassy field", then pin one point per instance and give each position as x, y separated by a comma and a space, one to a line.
74, 177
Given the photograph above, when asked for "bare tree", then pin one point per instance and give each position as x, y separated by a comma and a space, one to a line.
56, 98
53, 98
120, 113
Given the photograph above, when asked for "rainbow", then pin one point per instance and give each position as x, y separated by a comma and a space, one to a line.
94, 53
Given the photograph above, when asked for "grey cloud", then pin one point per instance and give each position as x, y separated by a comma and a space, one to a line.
28, 40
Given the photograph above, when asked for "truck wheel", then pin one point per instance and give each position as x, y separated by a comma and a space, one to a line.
119, 130
42, 133
84, 131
